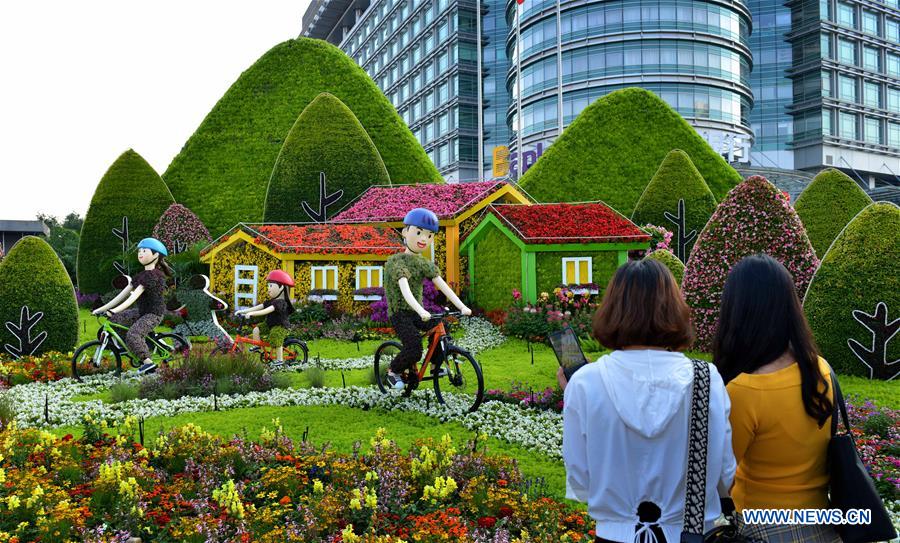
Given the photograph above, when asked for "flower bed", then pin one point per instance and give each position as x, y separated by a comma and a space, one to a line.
877, 432
61, 489
549, 399
534, 322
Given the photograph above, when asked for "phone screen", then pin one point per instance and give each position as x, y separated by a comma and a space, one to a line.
568, 351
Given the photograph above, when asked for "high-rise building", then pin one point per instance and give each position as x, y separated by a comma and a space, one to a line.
694, 54
846, 87
425, 57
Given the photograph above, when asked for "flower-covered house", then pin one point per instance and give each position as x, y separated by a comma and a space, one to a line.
542, 246
457, 206
329, 262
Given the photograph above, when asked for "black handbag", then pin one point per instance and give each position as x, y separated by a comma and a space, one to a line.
695, 481
850, 486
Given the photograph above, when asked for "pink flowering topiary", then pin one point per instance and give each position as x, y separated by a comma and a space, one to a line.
179, 228
754, 218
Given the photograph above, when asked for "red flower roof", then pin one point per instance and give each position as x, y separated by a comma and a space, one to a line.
325, 239
390, 204
592, 222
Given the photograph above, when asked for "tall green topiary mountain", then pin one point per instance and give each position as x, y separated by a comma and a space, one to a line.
754, 218
830, 201
610, 151
858, 274
677, 179
326, 139
130, 189
223, 170
33, 277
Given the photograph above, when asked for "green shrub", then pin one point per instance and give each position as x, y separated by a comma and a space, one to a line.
857, 272
122, 392
754, 218
670, 261
830, 201
676, 179
130, 188
223, 170
32, 275
613, 148
326, 138
315, 377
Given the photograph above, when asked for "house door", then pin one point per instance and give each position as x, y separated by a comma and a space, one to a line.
245, 285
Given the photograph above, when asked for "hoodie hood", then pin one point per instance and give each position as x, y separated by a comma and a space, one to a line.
647, 387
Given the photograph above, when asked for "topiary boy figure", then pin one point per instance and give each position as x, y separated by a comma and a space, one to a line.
405, 272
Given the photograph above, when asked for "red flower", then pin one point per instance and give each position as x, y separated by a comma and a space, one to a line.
285, 500
502, 483
505, 511
569, 223
487, 522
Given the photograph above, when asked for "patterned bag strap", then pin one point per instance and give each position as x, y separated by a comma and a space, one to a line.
695, 480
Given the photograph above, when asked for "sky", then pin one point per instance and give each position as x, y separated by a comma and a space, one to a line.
82, 82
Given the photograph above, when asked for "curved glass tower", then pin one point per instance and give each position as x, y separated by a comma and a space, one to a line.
694, 54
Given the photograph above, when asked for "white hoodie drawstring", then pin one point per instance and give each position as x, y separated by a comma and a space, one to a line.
644, 534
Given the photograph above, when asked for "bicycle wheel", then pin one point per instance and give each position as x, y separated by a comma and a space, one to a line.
295, 351
89, 359
168, 348
384, 355
463, 377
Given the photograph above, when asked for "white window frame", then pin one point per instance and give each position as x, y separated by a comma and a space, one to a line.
312, 282
239, 281
577, 279
368, 270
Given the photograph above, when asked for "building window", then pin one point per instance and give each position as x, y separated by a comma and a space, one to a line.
892, 29
368, 277
846, 15
894, 134
826, 123
871, 59
872, 95
444, 123
848, 126
443, 155
873, 130
324, 278
825, 46
870, 22
848, 88
577, 270
893, 100
847, 51
893, 64
444, 93
826, 84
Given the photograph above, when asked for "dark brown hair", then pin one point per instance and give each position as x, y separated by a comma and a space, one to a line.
643, 306
760, 319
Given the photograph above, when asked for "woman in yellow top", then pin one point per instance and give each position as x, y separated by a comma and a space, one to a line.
781, 399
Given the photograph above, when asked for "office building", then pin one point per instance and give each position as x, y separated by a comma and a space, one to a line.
694, 54
826, 87
425, 57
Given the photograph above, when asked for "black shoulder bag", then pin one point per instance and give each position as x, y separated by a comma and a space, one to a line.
850, 485
695, 480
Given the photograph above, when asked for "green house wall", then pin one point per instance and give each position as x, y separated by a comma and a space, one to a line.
549, 268
496, 271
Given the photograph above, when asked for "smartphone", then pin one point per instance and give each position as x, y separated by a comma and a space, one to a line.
568, 351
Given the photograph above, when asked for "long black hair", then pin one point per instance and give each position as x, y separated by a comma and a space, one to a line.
285, 293
760, 319
163, 265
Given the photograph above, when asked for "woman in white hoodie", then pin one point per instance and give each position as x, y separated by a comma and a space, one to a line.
626, 417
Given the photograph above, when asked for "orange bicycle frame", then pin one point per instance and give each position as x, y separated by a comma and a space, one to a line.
437, 333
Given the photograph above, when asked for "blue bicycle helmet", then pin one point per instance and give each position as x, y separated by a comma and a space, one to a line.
154, 245
422, 218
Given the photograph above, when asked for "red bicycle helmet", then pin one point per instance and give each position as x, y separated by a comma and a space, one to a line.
281, 277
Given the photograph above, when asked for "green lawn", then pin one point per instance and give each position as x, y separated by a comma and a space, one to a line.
342, 426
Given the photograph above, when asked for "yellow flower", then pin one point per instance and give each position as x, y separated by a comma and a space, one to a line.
317, 487
370, 476
347, 536
13, 502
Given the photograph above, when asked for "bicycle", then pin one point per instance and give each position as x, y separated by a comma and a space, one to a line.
293, 350
94, 355
458, 366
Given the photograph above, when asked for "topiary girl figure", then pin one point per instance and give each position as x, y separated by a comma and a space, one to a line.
277, 310
147, 289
